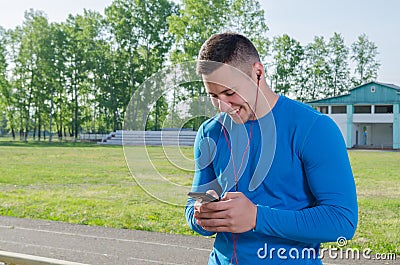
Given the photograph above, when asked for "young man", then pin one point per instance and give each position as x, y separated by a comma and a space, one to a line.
280, 168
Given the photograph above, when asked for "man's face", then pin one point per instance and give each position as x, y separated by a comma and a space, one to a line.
232, 92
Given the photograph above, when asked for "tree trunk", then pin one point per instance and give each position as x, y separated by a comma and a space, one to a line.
51, 116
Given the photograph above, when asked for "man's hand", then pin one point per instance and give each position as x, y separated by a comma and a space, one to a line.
233, 213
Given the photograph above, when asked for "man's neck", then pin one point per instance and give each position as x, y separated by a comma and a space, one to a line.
266, 101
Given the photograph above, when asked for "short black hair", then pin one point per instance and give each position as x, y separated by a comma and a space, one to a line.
227, 48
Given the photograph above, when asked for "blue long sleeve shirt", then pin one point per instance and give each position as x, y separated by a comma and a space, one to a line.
296, 171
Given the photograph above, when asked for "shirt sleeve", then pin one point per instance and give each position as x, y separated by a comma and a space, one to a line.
329, 175
204, 176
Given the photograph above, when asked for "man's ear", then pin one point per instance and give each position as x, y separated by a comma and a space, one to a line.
258, 69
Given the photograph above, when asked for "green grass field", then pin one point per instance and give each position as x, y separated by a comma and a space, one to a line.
91, 184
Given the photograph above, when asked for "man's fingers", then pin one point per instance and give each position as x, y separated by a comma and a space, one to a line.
215, 206
234, 213
212, 215
231, 195
218, 229
213, 222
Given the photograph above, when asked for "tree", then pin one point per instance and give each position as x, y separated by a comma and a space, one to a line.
140, 32
196, 22
32, 53
247, 17
28, 73
157, 115
364, 54
3, 59
58, 94
4, 84
82, 32
192, 26
338, 64
288, 53
315, 75
10, 104
41, 41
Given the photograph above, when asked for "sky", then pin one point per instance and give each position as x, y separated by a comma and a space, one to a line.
300, 19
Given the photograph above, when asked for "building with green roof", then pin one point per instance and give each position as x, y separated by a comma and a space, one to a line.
368, 115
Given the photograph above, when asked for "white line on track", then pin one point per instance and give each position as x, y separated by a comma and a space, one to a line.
86, 252
105, 238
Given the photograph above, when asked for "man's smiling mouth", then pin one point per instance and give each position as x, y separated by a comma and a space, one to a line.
233, 112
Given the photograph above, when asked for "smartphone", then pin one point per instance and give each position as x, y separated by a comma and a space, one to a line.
202, 197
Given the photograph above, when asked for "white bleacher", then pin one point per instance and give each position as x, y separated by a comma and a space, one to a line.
150, 138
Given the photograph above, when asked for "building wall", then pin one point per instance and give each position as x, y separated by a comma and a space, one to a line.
372, 118
378, 135
379, 129
341, 121
382, 135
383, 129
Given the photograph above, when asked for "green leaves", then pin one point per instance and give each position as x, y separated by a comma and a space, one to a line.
364, 55
141, 41
288, 53
321, 68
197, 20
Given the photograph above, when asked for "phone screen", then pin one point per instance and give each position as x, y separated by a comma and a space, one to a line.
202, 197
